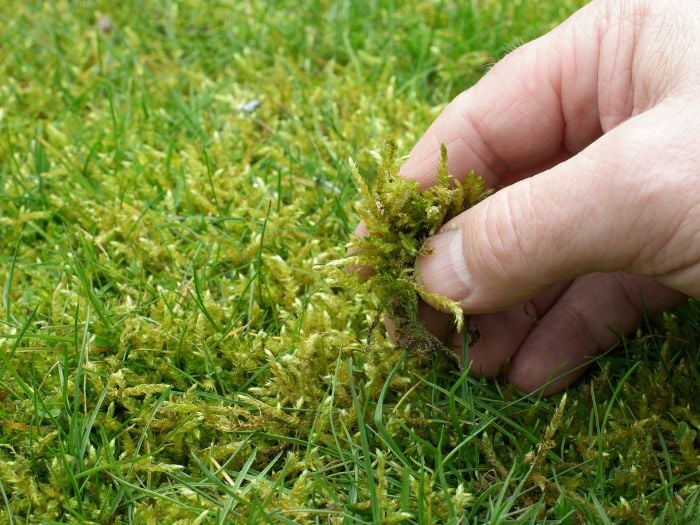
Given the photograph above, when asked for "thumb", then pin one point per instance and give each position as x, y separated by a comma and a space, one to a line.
611, 207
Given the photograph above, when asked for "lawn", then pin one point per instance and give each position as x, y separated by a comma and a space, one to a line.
175, 345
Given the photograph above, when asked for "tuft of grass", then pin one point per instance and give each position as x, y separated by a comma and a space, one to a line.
171, 176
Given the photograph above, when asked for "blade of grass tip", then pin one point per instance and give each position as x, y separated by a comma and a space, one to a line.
222, 515
278, 206
331, 422
10, 516
452, 407
616, 393
7, 358
670, 482
197, 298
352, 470
465, 365
18, 176
374, 499
90, 423
116, 463
301, 443
406, 489
253, 517
269, 466
70, 475
91, 154
259, 270
378, 418
210, 171
72, 260
440, 470
599, 438
276, 487
600, 510
7, 286
137, 450
501, 505
234, 490
420, 497
476, 433
116, 129
491, 408
178, 503
75, 416
149, 205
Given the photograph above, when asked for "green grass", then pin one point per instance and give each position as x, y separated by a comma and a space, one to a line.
172, 350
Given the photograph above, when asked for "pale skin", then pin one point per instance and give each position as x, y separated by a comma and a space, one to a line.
591, 133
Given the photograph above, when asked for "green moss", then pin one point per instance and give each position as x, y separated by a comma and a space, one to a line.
399, 216
169, 350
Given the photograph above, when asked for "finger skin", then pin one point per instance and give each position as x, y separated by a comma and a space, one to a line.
527, 110
554, 96
586, 320
622, 68
612, 207
500, 334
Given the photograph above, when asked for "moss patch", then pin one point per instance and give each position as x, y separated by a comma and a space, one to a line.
399, 216
171, 179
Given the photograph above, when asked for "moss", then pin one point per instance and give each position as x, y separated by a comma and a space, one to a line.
399, 216
169, 350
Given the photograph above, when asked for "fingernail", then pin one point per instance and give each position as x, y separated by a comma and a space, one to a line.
444, 271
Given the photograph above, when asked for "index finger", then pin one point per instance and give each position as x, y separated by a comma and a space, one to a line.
533, 109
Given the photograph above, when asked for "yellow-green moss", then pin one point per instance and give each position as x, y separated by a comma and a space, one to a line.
169, 350
399, 216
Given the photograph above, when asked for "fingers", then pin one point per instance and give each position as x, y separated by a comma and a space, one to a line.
610, 208
532, 110
536, 106
588, 319
502, 333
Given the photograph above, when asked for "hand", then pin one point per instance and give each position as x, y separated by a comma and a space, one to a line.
593, 133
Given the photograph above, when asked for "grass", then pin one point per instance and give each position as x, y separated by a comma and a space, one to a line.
171, 350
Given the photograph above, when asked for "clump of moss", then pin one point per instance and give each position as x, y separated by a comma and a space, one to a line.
399, 216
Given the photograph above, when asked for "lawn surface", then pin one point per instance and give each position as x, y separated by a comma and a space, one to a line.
174, 182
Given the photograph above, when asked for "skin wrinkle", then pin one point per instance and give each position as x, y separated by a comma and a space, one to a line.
561, 239
608, 86
553, 122
497, 165
499, 256
611, 188
526, 213
651, 251
626, 188
577, 109
556, 83
502, 259
490, 134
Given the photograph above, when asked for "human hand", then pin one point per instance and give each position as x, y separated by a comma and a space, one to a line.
593, 133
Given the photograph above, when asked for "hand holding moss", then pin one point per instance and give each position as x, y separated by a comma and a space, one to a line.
592, 132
